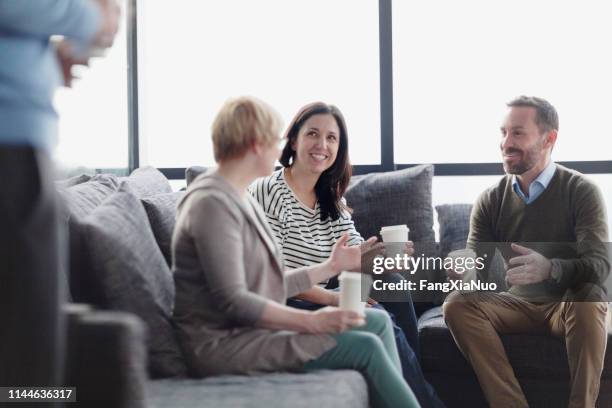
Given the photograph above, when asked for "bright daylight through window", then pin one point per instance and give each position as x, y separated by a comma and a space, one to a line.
193, 55
456, 64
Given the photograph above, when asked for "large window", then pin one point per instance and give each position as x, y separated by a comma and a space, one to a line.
93, 126
194, 54
456, 64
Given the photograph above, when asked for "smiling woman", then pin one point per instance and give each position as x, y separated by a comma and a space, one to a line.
305, 209
317, 152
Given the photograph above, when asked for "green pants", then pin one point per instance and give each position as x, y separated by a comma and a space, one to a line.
371, 350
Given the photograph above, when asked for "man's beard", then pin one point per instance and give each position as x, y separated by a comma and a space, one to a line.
529, 158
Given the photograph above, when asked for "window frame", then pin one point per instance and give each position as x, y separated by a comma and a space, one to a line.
387, 161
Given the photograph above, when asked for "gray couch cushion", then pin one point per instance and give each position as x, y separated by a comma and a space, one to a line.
148, 181
532, 356
161, 210
396, 197
454, 224
132, 274
321, 389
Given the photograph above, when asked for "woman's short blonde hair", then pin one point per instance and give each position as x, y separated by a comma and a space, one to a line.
241, 123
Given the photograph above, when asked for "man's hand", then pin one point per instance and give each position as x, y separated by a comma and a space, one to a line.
110, 12
529, 267
67, 59
451, 274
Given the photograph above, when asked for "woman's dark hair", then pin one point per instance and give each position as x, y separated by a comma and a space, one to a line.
333, 182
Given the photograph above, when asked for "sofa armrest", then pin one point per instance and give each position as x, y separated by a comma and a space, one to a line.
106, 358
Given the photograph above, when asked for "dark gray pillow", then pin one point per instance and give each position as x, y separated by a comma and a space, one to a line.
148, 181
454, 222
454, 226
392, 198
161, 210
192, 172
76, 202
132, 274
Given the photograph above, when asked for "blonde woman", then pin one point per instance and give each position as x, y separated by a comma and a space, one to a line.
231, 285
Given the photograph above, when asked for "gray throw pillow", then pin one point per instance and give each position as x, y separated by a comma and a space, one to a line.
454, 224
81, 199
192, 172
161, 210
76, 202
392, 198
454, 221
73, 181
132, 274
148, 181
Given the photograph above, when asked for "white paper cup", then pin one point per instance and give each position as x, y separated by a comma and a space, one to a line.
395, 233
350, 292
394, 237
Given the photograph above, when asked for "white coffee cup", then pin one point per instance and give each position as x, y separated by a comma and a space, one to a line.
395, 233
350, 292
394, 237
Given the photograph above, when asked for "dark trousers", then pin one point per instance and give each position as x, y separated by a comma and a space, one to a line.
31, 326
406, 334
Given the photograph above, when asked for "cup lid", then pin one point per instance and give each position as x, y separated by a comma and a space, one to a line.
394, 228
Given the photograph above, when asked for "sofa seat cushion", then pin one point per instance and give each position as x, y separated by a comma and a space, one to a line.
324, 388
532, 356
130, 271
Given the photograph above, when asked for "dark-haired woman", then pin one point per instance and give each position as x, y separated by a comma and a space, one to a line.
304, 205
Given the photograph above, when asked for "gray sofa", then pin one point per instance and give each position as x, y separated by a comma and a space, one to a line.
121, 349
120, 231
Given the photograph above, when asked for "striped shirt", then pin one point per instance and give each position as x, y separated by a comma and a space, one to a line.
304, 239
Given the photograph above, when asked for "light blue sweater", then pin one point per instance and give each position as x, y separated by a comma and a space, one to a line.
29, 69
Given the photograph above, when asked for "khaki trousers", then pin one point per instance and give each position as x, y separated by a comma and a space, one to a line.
477, 319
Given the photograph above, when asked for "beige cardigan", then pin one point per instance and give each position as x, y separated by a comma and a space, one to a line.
226, 267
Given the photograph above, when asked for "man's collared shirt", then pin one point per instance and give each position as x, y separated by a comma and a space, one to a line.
537, 186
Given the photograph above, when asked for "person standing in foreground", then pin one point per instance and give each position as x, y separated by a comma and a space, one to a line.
537, 203
31, 67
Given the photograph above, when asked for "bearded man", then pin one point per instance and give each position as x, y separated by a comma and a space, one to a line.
553, 290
